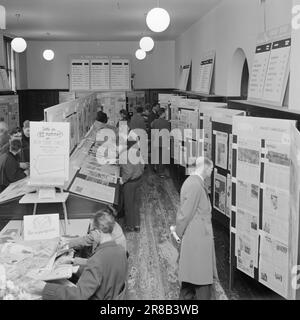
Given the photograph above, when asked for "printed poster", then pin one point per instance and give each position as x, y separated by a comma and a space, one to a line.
49, 152
221, 149
220, 192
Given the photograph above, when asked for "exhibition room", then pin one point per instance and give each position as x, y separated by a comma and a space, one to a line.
149, 150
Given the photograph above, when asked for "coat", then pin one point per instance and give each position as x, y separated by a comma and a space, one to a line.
102, 278
193, 225
10, 170
137, 122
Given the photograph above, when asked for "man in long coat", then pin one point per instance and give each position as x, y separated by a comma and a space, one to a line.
197, 264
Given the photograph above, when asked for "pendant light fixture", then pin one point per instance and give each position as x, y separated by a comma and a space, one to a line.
48, 54
18, 44
140, 54
2, 18
146, 44
158, 19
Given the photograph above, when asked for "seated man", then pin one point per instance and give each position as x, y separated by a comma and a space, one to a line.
93, 238
105, 273
10, 170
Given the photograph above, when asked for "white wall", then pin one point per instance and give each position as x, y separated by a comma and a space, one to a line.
231, 25
156, 71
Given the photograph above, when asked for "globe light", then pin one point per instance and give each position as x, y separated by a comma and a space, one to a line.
140, 54
19, 45
146, 44
158, 19
48, 55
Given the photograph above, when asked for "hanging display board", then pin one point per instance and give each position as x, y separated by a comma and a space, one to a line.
119, 74
66, 96
203, 84
278, 72
100, 74
265, 202
95, 73
80, 74
259, 71
270, 69
184, 77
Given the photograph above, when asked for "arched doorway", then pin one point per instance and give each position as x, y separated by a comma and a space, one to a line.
238, 75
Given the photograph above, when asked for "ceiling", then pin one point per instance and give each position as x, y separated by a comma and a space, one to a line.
98, 20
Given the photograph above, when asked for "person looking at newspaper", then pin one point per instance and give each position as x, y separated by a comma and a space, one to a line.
104, 275
197, 262
92, 239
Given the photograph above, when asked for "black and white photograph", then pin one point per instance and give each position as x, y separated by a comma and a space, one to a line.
149, 151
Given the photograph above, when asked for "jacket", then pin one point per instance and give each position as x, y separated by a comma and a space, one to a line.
101, 279
10, 170
137, 122
193, 225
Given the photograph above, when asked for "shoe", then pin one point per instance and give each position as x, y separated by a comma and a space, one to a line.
137, 228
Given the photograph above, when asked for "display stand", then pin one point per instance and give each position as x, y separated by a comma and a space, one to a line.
47, 195
221, 157
264, 226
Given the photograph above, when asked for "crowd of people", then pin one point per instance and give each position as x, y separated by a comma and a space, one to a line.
101, 271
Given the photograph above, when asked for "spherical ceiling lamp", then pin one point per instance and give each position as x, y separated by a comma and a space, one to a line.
146, 44
48, 54
158, 19
140, 54
19, 45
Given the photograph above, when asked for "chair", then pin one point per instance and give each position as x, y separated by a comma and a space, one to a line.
123, 293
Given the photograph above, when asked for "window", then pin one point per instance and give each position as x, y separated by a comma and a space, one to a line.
10, 63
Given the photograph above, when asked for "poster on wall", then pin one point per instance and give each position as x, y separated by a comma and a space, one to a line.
203, 84
80, 74
49, 153
100, 77
220, 191
120, 74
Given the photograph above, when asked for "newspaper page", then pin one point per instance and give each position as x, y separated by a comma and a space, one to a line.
219, 192
221, 149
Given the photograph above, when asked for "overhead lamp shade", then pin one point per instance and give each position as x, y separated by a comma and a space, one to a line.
140, 54
2, 18
48, 54
146, 44
19, 45
158, 19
